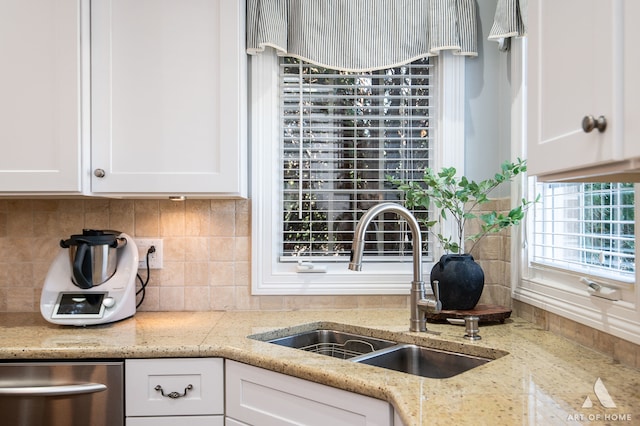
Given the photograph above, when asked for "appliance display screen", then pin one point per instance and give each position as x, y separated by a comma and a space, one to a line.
87, 305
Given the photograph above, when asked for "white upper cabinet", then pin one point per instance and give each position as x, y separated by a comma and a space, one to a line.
131, 98
631, 87
40, 148
168, 97
580, 68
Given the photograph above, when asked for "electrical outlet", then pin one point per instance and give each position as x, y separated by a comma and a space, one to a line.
155, 258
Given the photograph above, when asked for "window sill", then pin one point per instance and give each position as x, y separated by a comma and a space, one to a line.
371, 282
618, 318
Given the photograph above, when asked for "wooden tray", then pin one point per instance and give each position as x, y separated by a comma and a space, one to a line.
485, 313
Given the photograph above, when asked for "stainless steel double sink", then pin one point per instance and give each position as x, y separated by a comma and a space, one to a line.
404, 357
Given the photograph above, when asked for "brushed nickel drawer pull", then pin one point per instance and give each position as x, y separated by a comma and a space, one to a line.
174, 395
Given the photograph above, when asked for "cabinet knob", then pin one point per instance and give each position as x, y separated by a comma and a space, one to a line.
589, 123
99, 173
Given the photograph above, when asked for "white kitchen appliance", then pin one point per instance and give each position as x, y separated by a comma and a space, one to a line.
92, 280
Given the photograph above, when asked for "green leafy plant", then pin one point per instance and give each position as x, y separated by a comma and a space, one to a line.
458, 197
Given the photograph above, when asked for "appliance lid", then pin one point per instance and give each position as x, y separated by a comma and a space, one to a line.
93, 237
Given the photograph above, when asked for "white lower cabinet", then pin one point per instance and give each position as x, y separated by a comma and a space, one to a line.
174, 392
228, 421
259, 397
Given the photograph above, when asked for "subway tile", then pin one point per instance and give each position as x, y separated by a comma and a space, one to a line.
151, 300
271, 303
242, 249
21, 224
221, 248
147, 223
96, 220
141, 206
3, 224
243, 218
5, 299
22, 300
196, 249
242, 274
196, 298
244, 300
223, 206
171, 275
221, 274
196, 274
174, 249
121, 207
172, 219
223, 298
223, 224
171, 299
197, 218
21, 277
71, 205
20, 206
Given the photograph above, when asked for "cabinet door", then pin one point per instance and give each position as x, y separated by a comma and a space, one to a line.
574, 71
256, 396
631, 91
40, 96
176, 421
228, 421
168, 96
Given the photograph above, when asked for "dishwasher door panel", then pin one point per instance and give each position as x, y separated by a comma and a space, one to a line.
62, 393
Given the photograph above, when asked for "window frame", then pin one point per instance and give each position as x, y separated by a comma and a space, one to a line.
270, 277
552, 289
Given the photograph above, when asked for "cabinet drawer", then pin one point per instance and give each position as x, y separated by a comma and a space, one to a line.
176, 421
198, 384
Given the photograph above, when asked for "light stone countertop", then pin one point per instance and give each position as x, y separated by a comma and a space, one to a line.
542, 380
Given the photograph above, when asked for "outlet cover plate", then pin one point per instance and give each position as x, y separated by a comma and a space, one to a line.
155, 258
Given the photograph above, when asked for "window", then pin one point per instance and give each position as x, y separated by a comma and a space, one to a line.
343, 135
324, 158
579, 255
588, 228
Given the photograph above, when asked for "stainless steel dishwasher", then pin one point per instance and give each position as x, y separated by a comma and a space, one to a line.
78, 393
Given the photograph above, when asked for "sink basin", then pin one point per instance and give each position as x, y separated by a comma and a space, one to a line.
327, 339
422, 361
333, 343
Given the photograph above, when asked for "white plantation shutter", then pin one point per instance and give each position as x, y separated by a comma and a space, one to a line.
586, 228
343, 134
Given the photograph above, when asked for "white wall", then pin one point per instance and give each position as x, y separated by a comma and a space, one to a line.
487, 110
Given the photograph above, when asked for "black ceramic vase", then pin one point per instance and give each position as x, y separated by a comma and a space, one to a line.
461, 281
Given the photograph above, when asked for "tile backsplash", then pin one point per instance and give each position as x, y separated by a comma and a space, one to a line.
207, 249
206, 253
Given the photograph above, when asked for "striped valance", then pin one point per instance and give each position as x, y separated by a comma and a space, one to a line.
510, 20
361, 35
